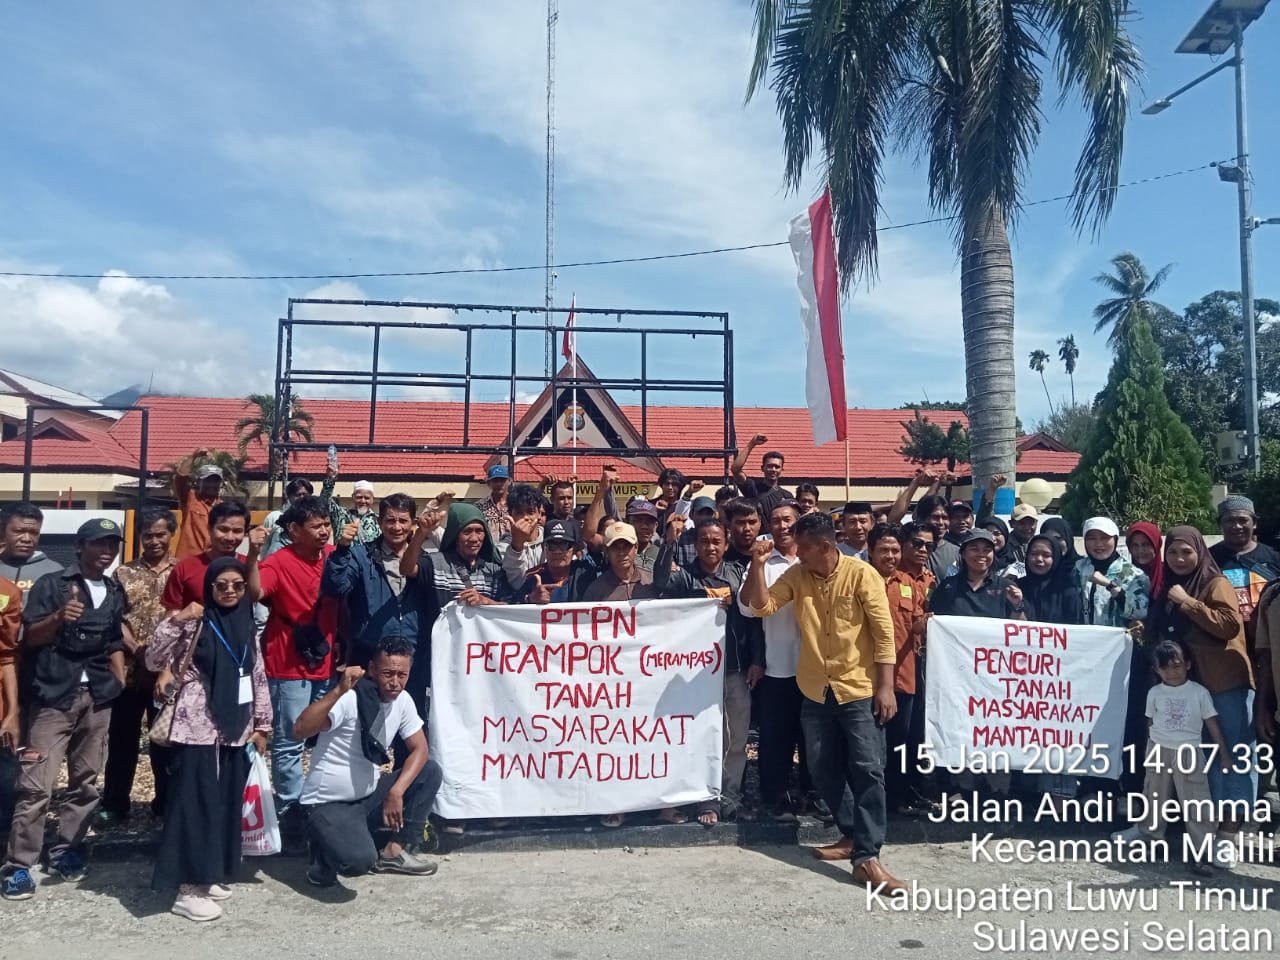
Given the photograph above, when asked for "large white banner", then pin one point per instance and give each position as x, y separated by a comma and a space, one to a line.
1037, 696
577, 708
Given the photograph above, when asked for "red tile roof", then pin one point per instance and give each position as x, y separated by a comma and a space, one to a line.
179, 425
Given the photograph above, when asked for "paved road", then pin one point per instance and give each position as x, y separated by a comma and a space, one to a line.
562, 905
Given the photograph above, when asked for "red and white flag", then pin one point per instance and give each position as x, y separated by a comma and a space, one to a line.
569, 345
813, 246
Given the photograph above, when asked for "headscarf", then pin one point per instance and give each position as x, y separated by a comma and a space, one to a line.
1167, 616
1107, 526
1005, 555
1051, 597
1155, 569
1062, 528
225, 648
463, 515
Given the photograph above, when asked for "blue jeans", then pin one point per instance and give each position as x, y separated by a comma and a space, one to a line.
288, 699
846, 747
1235, 717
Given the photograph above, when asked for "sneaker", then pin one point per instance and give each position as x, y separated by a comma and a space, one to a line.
407, 863
191, 905
218, 892
1224, 854
70, 867
1128, 835
18, 885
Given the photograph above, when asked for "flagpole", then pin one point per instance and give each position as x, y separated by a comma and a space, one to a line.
573, 341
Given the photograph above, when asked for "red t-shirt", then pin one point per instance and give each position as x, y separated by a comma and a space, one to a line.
291, 588
186, 582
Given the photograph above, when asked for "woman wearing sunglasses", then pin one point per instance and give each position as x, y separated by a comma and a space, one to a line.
221, 704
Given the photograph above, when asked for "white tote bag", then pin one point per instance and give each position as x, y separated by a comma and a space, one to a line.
259, 828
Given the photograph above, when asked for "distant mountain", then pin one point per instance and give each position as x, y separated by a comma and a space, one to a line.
124, 398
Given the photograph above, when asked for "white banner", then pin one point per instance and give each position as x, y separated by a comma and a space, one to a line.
577, 708
1042, 696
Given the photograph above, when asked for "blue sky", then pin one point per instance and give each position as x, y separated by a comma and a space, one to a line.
327, 137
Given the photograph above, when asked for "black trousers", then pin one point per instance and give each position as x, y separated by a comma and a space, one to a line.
846, 749
200, 843
347, 835
123, 736
900, 765
779, 702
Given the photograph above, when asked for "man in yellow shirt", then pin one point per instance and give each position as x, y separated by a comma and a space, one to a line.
845, 671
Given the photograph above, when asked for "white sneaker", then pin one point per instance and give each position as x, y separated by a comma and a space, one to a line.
218, 892
1224, 856
193, 906
1128, 835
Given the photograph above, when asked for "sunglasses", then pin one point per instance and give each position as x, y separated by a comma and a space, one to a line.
229, 586
918, 542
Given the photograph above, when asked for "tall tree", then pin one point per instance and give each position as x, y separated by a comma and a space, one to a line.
1141, 462
1132, 301
256, 427
1069, 353
1038, 359
926, 443
1071, 425
961, 82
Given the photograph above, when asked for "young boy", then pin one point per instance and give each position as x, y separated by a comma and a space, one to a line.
1177, 709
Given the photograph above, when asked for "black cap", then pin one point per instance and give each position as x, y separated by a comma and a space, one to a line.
99, 529
558, 530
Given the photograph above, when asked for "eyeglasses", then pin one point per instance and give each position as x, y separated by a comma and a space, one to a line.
918, 542
229, 586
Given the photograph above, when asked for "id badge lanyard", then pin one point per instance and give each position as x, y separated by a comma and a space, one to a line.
246, 682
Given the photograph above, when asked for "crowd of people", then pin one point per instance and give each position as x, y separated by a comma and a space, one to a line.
314, 627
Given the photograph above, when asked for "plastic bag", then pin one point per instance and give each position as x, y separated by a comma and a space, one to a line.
259, 827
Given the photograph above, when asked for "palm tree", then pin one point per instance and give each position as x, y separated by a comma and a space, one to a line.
257, 427
1132, 301
1038, 359
961, 82
1069, 353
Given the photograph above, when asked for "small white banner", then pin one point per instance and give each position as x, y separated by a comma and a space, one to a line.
577, 708
1009, 694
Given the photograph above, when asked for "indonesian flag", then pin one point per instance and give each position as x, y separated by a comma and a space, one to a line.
813, 246
569, 345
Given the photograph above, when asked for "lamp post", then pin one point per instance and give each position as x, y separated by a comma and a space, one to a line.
1219, 30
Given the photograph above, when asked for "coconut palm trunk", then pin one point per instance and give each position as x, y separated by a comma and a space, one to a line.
986, 303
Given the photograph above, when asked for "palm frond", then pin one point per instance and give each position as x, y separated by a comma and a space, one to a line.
770, 16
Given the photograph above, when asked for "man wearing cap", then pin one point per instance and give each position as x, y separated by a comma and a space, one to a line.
75, 637
643, 515
361, 511
494, 506
702, 508
624, 580
546, 583
195, 498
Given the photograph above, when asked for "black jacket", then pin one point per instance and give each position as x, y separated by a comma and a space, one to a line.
744, 636
80, 649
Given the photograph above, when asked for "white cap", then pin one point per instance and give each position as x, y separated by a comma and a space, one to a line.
362, 485
1104, 524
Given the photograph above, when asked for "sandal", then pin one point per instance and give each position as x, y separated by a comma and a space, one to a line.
672, 815
708, 818
612, 820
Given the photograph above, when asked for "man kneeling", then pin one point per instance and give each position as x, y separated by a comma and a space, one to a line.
350, 807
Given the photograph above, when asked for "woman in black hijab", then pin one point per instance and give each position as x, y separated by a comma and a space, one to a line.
1006, 562
1059, 531
221, 704
1049, 593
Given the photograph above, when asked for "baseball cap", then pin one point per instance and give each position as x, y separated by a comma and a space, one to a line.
99, 529
1024, 510
558, 530
973, 536
498, 472
619, 531
702, 503
209, 470
960, 505
1104, 524
642, 508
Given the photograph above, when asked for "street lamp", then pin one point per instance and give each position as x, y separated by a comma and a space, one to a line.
1219, 30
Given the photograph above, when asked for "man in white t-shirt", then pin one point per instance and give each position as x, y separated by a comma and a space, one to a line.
351, 806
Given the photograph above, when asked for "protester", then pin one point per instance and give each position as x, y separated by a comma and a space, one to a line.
907, 611
546, 583
20, 557
779, 695
856, 521
221, 704
702, 510
845, 670
902, 505
521, 549
228, 524
1059, 531
494, 507
358, 819
807, 496
918, 541
643, 515
766, 491
278, 536
935, 510
1048, 592
143, 581
1197, 607
378, 599
10, 631
1008, 562
1114, 592
298, 642
196, 500
563, 495
1144, 542
1177, 710
1146, 551
1022, 527
742, 524
713, 575
73, 637
977, 590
